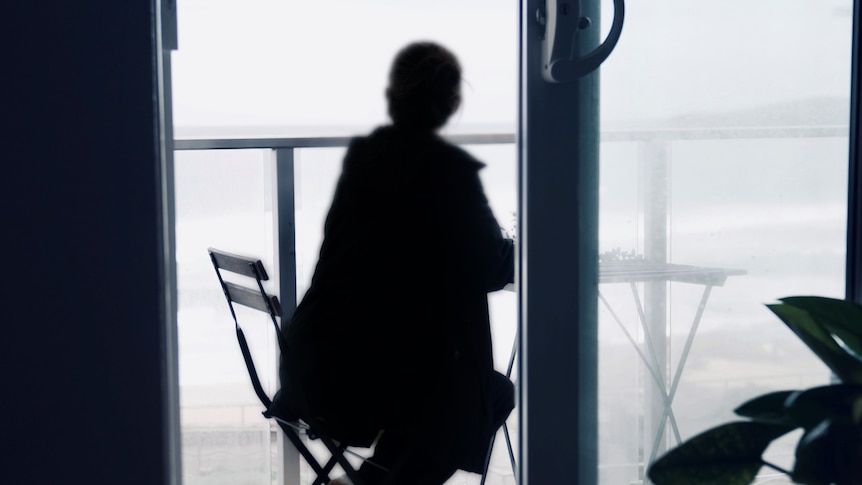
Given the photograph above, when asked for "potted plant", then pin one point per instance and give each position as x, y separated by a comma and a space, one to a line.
830, 448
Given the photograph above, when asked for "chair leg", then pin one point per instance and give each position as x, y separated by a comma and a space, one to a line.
491, 448
296, 440
323, 477
337, 456
511, 453
488, 460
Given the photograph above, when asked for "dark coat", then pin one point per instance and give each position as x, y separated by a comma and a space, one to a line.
394, 332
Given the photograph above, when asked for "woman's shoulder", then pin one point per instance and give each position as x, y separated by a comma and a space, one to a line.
394, 141
458, 158
381, 139
455, 155
370, 146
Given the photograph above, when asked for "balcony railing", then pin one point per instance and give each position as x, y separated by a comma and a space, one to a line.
654, 149
283, 157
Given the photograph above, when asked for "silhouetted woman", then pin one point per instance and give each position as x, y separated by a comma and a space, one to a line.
393, 334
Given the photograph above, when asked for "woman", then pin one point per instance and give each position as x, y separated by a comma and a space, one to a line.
393, 334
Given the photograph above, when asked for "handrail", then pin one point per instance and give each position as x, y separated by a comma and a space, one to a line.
729, 132
320, 142
701, 133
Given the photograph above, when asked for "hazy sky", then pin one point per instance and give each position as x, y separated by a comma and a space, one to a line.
285, 62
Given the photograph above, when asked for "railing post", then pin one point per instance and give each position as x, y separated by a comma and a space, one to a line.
655, 158
282, 188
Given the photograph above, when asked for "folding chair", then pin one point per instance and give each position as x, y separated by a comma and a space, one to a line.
257, 298
505, 426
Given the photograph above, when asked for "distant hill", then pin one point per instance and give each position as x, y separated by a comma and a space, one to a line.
821, 111
810, 112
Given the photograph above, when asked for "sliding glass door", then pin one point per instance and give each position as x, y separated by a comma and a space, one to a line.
724, 161
310, 74
709, 177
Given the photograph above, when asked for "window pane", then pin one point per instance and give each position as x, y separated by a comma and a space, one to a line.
723, 188
262, 68
224, 438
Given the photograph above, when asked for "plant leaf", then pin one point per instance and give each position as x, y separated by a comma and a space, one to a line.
768, 408
836, 402
830, 452
841, 317
857, 411
820, 341
729, 454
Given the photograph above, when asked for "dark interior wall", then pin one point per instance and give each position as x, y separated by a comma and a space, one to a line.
854, 208
81, 352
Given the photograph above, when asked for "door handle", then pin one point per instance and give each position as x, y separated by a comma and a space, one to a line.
560, 47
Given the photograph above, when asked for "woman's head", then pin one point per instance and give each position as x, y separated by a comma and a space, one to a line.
424, 86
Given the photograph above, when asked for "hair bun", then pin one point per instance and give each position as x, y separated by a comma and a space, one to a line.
424, 86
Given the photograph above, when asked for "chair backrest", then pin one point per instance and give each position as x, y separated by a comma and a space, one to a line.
253, 296
256, 297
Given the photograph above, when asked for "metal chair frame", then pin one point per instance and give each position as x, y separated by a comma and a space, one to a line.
257, 298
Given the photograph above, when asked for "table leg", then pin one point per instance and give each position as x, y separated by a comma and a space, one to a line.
679, 367
657, 378
661, 382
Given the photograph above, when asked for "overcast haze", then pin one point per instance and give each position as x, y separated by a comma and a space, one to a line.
323, 64
773, 207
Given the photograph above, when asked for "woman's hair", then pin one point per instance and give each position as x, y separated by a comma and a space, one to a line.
424, 86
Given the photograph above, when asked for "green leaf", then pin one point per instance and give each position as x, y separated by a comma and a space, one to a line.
830, 452
812, 333
836, 402
729, 454
841, 317
768, 408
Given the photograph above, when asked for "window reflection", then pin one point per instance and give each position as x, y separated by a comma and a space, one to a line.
720, 151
